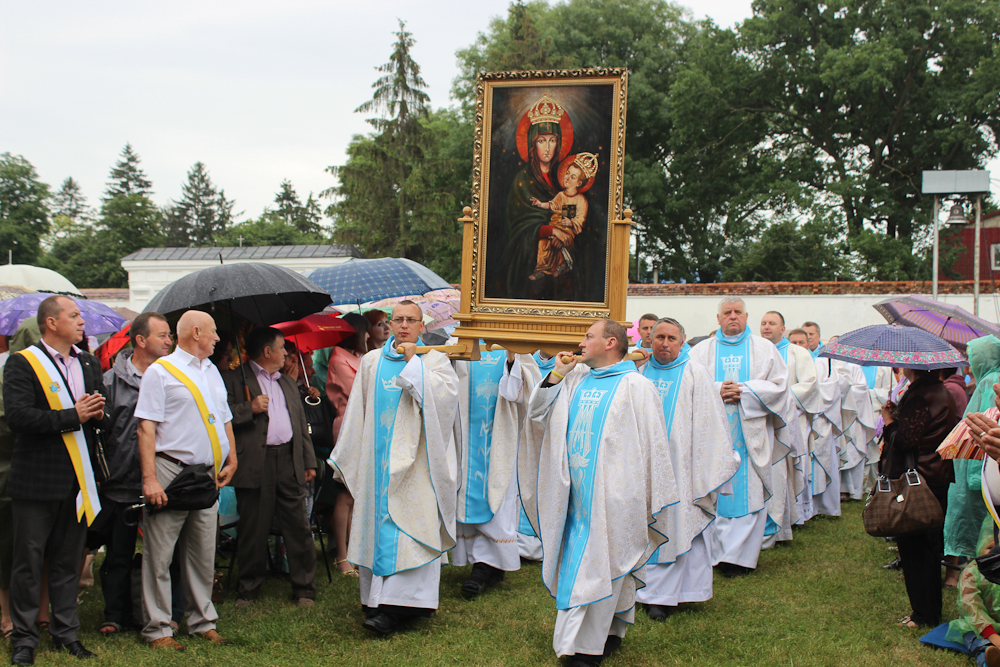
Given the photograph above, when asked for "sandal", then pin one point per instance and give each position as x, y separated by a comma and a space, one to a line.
109, 628
353, 572
908, 622
7, 633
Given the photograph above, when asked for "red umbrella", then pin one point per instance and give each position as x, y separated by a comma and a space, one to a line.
112, 346
315, 332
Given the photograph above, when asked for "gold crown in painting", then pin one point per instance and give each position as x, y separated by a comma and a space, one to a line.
588, 163
546, 110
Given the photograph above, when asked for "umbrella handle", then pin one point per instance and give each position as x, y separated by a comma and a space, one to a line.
246, 393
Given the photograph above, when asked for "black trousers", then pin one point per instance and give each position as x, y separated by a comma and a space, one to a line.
46, 529
920, 557
279, 497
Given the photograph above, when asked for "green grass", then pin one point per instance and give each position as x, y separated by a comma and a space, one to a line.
821, 600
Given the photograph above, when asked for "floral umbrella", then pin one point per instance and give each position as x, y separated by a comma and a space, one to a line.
956, 325
894, 345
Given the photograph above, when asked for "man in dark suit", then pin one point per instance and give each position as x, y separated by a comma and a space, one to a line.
276, 462
44, 484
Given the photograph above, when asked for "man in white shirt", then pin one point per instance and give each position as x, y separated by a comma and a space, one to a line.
175, 432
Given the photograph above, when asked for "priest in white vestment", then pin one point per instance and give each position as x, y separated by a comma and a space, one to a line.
528, 545
807, 402
492, 395
703, 460
397, 456
880, 383
595, 476
752, 380
857, 426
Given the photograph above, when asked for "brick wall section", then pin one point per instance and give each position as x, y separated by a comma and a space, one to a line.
839, 287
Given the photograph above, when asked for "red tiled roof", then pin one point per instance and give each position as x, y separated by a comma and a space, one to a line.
838, 287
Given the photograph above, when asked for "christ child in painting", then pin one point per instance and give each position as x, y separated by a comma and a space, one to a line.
569, 211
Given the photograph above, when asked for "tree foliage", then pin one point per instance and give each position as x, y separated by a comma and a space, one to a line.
24, 210
201, 213
127, 178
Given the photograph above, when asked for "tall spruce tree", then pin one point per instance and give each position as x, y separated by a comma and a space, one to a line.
201, 213
127, 178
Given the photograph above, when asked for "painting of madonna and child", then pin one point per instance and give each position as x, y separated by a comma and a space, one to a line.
550, 160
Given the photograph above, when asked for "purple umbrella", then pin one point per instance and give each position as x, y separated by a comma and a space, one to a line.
956, 325
98, 317
894, 345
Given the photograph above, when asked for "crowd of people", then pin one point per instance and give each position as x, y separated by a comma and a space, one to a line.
631, 473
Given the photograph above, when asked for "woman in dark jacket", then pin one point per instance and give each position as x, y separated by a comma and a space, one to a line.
923, 419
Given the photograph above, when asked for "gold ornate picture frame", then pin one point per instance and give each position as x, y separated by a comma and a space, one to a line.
546, 240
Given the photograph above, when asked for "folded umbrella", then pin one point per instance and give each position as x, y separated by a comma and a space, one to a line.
193, 488
894, 345
107, 350
98, 318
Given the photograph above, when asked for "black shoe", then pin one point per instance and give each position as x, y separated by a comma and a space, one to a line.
657, 612
732, 571
382, 623
483, 576
612, 644
76, 649
584, 660
22, 655
894, 565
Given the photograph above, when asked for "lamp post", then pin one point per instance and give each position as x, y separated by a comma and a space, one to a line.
948, 183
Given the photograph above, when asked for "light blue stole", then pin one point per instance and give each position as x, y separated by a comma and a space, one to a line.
667, 379
484, 387
524, 526
387, 395
732, 363
587, 414
783, 349
870, 372
819, 348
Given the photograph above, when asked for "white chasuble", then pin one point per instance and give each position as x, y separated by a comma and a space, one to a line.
398, 458
758, 425
595, 476
703, 458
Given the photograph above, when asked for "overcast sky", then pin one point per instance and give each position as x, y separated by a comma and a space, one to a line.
259, 91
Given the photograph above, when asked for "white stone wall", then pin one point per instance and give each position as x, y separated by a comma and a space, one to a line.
835, 313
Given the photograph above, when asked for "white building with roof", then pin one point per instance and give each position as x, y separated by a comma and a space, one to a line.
151, 269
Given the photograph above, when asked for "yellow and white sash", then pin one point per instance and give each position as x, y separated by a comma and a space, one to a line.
216, 429
990, 477
59, 398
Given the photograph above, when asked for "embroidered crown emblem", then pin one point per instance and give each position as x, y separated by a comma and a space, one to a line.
663, 386
546, 110
588, 163
390, 384
592, 397
731, 365
491, 360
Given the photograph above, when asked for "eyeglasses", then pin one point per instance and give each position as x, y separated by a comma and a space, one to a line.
405, 320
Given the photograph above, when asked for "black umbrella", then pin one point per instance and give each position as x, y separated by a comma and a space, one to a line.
193, 488
262, 293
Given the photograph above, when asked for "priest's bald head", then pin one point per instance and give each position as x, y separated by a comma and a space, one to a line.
732, 316
605, 343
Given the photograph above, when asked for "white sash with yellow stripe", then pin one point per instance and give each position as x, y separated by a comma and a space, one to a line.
206, 408
87, 502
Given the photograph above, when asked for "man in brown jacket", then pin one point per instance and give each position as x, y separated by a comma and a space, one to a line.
276, 462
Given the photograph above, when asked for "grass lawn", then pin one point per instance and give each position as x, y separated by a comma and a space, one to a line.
821, 600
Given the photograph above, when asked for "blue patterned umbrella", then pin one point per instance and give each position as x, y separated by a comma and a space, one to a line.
363, 280
99, 318
894, 345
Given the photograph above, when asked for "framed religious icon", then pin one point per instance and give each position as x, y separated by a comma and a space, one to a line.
546, 246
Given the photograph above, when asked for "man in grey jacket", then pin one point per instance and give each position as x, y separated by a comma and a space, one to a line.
150, 336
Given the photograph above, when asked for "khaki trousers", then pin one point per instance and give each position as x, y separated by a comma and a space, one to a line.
194, 533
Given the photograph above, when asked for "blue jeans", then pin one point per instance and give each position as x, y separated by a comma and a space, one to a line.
977, 646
